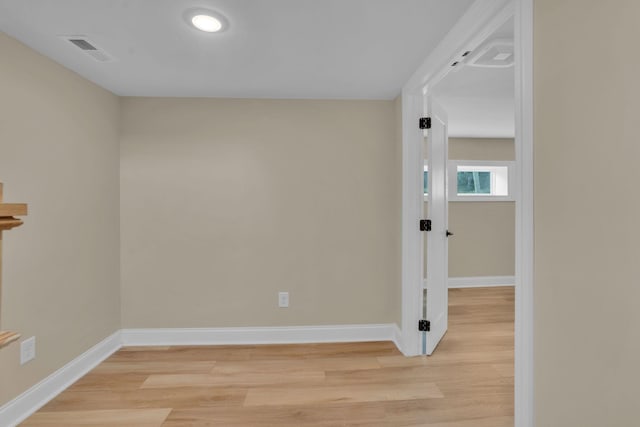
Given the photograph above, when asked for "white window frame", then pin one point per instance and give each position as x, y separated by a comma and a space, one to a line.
453, 181
452, 171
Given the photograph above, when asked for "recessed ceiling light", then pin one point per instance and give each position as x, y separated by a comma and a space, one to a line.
206, 20
206, 23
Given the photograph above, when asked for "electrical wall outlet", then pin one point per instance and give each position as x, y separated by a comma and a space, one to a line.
27, 350
283, 299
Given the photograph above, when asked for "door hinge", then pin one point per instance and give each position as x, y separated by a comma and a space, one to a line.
425, 225
424, 325
425, 123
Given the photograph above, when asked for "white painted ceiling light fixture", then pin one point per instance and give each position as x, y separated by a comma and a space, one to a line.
206, 20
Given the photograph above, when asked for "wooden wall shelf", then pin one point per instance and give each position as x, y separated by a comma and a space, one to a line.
8, 220
13, 209
7, 337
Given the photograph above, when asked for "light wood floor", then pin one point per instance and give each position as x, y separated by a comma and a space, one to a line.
467, 383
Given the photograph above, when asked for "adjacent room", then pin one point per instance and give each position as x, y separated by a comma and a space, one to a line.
477, 97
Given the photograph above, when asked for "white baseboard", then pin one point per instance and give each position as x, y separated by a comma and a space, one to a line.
20, 408
397, 338
481, 282
259, 335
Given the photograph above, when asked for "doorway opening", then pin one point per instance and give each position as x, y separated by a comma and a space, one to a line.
470, 156
470, 39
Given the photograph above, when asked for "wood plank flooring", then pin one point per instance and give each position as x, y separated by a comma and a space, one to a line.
468, 382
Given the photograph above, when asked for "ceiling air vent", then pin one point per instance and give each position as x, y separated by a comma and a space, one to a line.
89, 48
83, 44
497, 53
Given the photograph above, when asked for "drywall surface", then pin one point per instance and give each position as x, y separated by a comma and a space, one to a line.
484, 232
58, 153
226, 202
482, 149
587, 321
483, 243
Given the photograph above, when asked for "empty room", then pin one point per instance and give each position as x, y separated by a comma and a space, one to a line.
319, 213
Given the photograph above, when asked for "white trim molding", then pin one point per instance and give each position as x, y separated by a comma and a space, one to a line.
259, 335
524, 345
481, 281
397, 337
17, 410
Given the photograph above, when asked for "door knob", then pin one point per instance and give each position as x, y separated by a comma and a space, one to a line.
449, 233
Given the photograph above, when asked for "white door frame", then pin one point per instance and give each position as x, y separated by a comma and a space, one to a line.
482, 19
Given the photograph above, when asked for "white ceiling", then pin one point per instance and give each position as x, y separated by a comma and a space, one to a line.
480, 101
358, 49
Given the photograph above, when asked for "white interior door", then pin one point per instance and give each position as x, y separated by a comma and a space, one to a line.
437, 267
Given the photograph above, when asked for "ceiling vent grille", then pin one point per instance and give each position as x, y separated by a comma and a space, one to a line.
89, 48
83, 44
496, 53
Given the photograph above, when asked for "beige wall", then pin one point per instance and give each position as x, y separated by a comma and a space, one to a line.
587, 207
59, 153
481, 149
226, 202
484, 240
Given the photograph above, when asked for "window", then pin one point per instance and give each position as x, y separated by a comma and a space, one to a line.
480, 180
473, 180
